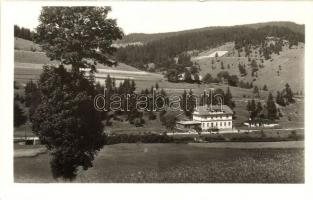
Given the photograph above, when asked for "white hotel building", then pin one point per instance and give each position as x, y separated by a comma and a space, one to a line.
209, 118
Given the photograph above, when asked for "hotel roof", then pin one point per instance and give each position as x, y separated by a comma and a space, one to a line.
214, 110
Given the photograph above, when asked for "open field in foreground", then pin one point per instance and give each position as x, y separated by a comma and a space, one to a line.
171, 163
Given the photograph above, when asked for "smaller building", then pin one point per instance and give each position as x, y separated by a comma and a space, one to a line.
187, 125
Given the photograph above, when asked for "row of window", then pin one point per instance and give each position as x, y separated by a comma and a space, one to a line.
215, 124
219, 117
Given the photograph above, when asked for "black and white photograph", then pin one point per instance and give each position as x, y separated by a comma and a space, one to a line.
157, 92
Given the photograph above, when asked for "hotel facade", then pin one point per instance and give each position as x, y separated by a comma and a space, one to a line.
209, 118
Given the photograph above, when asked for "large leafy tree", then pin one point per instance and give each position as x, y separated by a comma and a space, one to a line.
65, 120
79, 36
169, 120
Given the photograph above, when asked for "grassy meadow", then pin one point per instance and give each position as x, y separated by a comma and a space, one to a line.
176, 163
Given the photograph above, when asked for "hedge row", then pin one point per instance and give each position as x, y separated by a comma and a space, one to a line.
155, 138
132, 138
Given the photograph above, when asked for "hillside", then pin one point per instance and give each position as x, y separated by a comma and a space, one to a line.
290, 60
25, 45
142, 38
28, 62
271, 54
28, 65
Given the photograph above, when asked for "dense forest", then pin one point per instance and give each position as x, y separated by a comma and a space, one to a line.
144, 38
162, 51
23, 33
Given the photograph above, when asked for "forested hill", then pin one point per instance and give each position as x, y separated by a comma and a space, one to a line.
161, 52
149, 37
145, 38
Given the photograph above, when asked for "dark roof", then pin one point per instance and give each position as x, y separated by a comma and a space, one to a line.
214, 110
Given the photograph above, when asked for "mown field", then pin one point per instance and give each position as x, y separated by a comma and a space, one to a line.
176, 163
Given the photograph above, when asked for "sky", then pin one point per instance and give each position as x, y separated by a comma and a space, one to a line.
155, 17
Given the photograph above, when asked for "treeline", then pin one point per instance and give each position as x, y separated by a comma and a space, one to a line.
182, 70
222, 77
161, 51
23, 33
270, 111
263, 113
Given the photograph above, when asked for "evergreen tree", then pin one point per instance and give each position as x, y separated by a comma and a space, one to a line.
254, 67
183, 101
249, 106
271, 107
228, 99
242, 70
253, 109
156, 85
289, 94
259, 108
23, 33
256, 91
279, 99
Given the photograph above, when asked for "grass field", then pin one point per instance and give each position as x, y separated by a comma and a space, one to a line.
175, 163
25, 45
